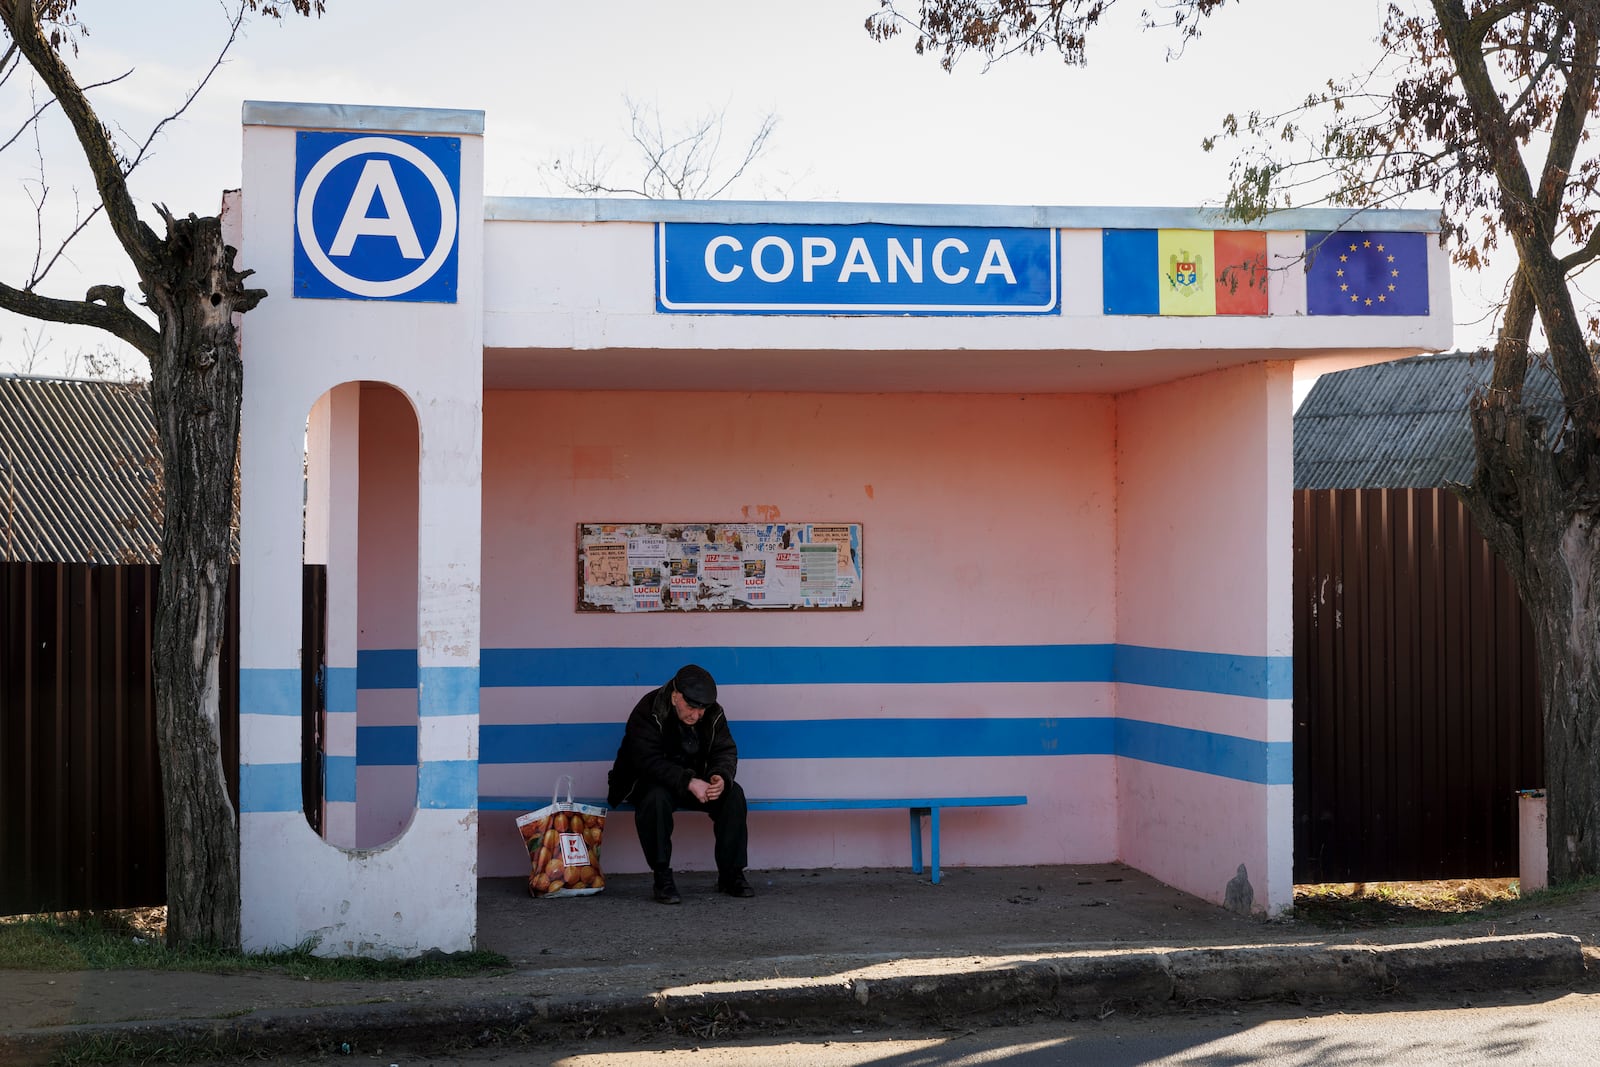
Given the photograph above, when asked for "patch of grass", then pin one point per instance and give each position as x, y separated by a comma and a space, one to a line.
110, 1050
134, 939
1368, 904
100, 1050
1557, 894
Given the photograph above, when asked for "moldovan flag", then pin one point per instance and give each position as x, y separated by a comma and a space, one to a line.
1361, 273
1184, 272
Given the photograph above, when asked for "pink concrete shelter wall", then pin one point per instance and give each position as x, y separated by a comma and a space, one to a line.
386, 598
1204, 537
987, 520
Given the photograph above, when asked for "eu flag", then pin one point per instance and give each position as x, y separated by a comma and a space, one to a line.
1364, 273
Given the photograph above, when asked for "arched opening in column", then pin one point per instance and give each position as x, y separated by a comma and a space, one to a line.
360, 552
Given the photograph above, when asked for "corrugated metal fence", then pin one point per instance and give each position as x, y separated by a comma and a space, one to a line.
1416, 691
80, 782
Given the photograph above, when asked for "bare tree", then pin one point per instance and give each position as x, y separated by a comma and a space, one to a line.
1488, 107
191, 290
680, 163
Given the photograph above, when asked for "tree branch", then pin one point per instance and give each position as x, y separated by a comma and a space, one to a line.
1478, 27
1577, 103
1578, 258
1511, 347
1537, 264
102, 307
31, 119
137, 239
222, 53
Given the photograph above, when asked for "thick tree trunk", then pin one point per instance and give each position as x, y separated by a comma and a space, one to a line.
1540, 509
197, 382
1564, 609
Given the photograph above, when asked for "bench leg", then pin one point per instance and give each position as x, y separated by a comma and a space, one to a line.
933, 841
916, 839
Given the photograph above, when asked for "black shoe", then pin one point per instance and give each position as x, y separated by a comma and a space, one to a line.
735, 886
666, 889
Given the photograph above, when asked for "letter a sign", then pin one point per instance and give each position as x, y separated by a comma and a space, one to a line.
375, 217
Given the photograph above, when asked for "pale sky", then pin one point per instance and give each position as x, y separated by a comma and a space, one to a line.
857, 121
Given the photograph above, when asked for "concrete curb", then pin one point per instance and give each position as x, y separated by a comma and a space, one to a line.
1153, 980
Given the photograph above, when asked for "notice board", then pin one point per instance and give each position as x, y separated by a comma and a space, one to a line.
711, 566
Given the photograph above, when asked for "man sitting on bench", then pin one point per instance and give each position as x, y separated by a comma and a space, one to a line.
677, 751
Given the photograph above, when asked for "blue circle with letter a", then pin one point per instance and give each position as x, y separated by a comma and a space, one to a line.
376, 216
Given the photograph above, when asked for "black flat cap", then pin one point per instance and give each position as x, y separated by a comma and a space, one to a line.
696, 685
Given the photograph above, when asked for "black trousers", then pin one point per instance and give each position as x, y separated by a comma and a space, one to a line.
652, 817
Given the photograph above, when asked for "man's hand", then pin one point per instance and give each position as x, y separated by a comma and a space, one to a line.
714, 788
702, 789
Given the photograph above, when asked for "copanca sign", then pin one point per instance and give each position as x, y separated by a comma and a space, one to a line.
866, 269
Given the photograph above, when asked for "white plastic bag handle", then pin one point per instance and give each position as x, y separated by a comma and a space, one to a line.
555, 795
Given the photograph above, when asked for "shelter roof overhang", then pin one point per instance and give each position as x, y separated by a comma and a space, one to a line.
575, 297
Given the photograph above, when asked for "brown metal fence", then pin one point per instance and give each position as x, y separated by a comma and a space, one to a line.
80, 782
1416, 693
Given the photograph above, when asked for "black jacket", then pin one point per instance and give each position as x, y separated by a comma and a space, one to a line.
648, 754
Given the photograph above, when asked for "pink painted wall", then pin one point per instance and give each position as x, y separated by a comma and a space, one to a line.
1192, 460
386, 608
1204, 535
988, 520
966, 500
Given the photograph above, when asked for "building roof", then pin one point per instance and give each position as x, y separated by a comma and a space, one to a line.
79, 471
1401, 425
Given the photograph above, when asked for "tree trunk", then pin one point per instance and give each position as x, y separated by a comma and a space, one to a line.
1564, 611
1539, 509
197, 383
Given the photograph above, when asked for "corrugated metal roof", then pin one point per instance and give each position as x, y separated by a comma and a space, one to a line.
79, 471
1401, 425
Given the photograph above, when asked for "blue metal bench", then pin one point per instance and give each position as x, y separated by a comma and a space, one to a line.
918, 807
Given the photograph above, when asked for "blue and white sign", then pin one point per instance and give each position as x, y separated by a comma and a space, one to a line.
865, 269
375, 217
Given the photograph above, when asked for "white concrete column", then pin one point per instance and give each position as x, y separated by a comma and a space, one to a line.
365, 227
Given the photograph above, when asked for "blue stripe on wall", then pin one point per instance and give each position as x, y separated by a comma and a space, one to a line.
1264, 677
448, 784
387, 746
448, 691
267, 787
1197, 750
814, 739
339, 778
1261, 762
269, 691
806, 665
339, 689
387, 668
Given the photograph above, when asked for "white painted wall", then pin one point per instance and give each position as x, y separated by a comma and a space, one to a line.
418, 892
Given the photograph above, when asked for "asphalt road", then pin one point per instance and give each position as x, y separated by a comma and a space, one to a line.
1543, 1029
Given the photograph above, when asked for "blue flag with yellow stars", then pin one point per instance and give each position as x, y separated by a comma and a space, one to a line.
1363, 273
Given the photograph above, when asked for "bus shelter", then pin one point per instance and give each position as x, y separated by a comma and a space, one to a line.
952, 500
